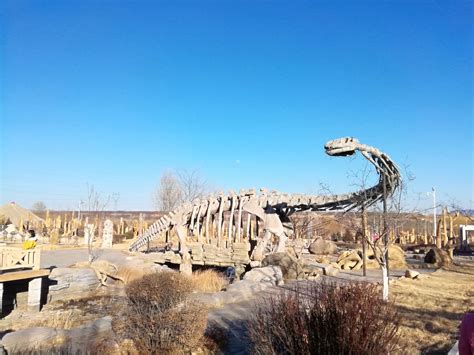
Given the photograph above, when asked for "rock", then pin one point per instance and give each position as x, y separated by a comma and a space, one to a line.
255, 263
271, 274
336, 265
396, 257
322, 247
290, 266
240, 291
438, 257
330, 270
70, 283
313, 268
352, 255
75, 339
349, 260
30, 338
84, 336
322, 259
411, 274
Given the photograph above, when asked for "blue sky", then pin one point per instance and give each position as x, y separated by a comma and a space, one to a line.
112, 93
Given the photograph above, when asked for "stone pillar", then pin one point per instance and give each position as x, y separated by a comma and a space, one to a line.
107, 234
34, 294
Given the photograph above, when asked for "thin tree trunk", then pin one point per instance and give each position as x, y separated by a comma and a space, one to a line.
385, 284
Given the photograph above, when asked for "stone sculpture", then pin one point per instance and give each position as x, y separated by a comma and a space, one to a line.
204, 218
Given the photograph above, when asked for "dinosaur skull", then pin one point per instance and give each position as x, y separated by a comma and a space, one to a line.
341, 147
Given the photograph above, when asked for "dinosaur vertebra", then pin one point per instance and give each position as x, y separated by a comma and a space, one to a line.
272, 208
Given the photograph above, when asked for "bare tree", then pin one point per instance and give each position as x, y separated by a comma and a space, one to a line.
38, 207
391, 217
176, 188
192, 185
307, 225
115, 197
169, 193
95, 204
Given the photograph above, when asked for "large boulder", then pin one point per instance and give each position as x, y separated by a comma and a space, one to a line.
290, 266
438, 257
396, 258
322, 247
71, 283
271, 274
25, 340
43, 339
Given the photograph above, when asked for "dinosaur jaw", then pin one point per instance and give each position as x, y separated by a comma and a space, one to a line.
341, 147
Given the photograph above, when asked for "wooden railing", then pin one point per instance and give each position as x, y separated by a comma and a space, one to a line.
16, 258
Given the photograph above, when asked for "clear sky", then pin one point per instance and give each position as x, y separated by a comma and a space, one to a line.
112, 93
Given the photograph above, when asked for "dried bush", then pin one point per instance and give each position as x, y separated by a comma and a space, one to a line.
325, 319
160, 317
208, 281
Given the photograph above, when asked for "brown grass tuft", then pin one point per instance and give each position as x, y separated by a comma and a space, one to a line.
208, 281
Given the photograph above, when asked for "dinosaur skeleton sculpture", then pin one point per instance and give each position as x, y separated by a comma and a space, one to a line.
204, 218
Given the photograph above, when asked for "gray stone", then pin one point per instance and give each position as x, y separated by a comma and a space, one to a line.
29, 338
72, 283
322, 247
271, 274
77, 339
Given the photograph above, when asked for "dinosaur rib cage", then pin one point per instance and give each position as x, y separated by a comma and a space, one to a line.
226, 219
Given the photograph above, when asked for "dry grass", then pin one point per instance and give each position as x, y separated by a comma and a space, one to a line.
208, 281
64, 319
432, 308
132, 273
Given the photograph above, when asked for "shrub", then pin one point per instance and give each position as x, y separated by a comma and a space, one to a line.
325, 319
160, 317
